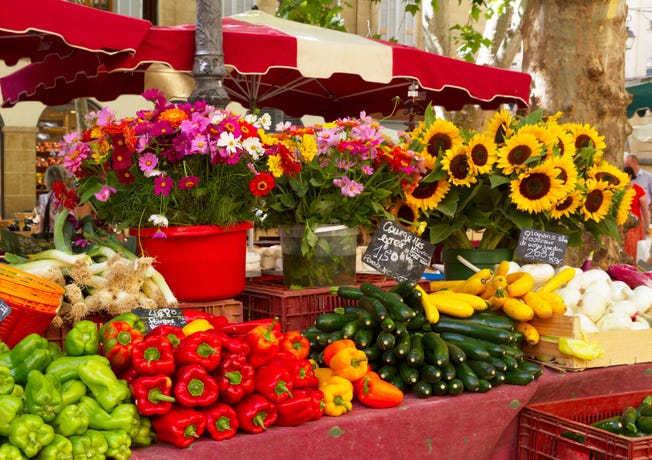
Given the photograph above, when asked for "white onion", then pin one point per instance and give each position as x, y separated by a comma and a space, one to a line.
640, 323
620, 290
600, 287
641, 296
570, 295
593, 305
614, 322
624, 306
586, 324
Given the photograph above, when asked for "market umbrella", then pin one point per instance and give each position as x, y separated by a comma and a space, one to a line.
35, 29
298, 68
642, 99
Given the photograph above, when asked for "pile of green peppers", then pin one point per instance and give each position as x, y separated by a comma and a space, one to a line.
66, 403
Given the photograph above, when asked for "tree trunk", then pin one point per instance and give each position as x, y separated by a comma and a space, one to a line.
575, 52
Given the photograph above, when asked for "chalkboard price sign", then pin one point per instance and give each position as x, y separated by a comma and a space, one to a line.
153, 317
5, 310
540, 246
398, 252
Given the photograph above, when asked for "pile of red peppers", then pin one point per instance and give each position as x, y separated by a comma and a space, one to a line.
213, 376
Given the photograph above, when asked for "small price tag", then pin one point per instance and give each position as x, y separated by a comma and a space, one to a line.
153, 317
541, 246
5, 310
398, 252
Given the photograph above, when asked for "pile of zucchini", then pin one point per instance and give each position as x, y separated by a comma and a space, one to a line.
453, 355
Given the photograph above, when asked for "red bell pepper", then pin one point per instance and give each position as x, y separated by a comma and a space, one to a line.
173, 333
302, 373
306, 404
255, 413
232, 344
235, 378
152, 394
243, 328
118, 339
194, 387
129, 375
201, 348
274, 383
180, 426
217, 321
264, 341
153, 356
296, 344
221, 421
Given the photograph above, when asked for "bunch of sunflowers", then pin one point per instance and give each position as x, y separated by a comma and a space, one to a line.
530, 172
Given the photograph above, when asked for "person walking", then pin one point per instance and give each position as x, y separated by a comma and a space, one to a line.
642, 177
640, 207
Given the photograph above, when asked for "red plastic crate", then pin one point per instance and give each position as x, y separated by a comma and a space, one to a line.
544, 428
267, 297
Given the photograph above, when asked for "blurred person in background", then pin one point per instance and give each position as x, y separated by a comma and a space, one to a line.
640, 208
48, 205
642, 177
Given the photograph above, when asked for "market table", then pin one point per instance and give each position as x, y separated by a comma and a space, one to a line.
470, 426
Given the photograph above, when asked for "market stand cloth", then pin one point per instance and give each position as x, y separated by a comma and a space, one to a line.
35, 29
642, 99
273, 62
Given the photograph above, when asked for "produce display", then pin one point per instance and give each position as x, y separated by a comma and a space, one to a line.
440, 343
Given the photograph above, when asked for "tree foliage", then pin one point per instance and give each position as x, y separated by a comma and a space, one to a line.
316, 12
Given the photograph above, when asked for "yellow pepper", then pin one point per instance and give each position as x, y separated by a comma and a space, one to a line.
196, 325
349, 363
338, 394
580, 348
323, 373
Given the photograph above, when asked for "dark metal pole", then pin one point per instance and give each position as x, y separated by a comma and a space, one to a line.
208, 69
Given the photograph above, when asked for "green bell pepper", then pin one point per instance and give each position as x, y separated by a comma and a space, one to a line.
82, 339
43, 395
10, 452
39, 360
10, 408
141, 433
90, 445
59, 449
104, 385
55, 350
119, 443
18, 392
4, 347
120, 418
6, 381
23, 349
72, 391
30, 434
66, 367
72, 420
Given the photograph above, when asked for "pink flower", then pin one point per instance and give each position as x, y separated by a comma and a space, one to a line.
188, 182
163, 185
105, 193
147, 162
349, 187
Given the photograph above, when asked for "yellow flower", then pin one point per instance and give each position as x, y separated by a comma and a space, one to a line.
308, 147
545, 136
274, 165
586, 136
537, 189
567, 206
517, 151
606, 172
625, 206
456, 163
482, 154
500, 126
437, 138
567, 171
427, 195
597, 200
564, 141
408, 214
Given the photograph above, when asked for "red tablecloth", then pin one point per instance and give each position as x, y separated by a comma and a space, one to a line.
469, 426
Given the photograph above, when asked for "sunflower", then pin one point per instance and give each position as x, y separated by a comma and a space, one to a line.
408, 214
567, 171
437, 138
586, 136
567, 206
625, 206
482, 154
516, 152
499, 127
537, 189
456, 163
545, 136
427, 195
597, 200
564, 141
606, 172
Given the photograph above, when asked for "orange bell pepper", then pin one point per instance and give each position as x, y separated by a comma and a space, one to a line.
372, 391
350, 363
336, 346
296, 344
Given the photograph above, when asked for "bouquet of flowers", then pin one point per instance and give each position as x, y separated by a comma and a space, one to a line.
518, 173
176, 164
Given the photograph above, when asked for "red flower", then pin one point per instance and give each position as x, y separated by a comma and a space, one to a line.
262, 184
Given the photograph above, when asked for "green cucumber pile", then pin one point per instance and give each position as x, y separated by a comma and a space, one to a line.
449, 357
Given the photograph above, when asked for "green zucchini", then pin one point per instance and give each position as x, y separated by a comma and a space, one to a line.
403, 288
374, 354
478, 331
422, 389
388, 324
466, 375
354, 309
364, 338
350, 328
534, 368
415, 357
409, 374
498, 364
473, 348
347, 292
389, 358
335, 336
485, 385
385, 340
498, 379
398, 382
482, 369
612, 424
628, 419
492, 319
402, 346
401, 328
393, 302
448, 372
367, 320
386, 372
331, 322
510, 363
373, 306
435, 348
439, 388
322, 339
645, 407
518, 377
494, 349
644, 424
577, 437
417, 322
454, 387
430, 373
455, 353
514, 352
414, 300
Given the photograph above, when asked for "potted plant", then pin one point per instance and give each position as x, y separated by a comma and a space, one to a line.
177, 177
483, 187
320, 182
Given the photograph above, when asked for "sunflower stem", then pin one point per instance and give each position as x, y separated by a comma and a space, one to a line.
459, 239
491, 238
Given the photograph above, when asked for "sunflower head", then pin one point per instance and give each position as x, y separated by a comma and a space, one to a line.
456, 163
437, 137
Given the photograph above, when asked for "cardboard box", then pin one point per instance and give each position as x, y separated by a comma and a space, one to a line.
620, 347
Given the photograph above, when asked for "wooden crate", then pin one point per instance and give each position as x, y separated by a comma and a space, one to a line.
620, 347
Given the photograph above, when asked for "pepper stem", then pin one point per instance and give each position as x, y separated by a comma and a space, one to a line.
281, 388
268, 334
259, 419
234, 378
195, 387
155, 395
205, 350
339, 401
223, 423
